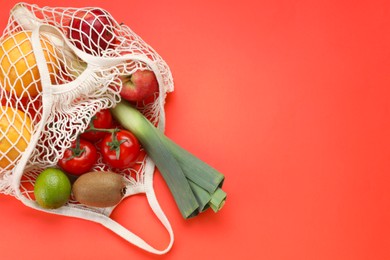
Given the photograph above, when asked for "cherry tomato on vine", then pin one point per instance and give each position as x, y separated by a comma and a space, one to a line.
102, 120
120, 149
79, 158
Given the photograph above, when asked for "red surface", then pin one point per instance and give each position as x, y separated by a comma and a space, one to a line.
289, 99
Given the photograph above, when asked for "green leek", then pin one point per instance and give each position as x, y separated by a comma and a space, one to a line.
195, 186
135, 122
202, 196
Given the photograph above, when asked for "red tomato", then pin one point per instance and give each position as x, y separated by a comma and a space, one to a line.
80, 158
102, 120
120, 149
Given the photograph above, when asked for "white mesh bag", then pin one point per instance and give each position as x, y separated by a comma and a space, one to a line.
51, 87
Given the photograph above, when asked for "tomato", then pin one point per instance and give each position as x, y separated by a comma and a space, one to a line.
120, 149
103, 120
79, 158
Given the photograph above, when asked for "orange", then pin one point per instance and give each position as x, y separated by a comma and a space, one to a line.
15, 134
19, 73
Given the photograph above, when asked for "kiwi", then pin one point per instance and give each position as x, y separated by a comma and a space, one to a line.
99, 189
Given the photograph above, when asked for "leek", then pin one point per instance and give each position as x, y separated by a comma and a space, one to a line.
173, 175
218, 200
195, 169
195, 185
202, 196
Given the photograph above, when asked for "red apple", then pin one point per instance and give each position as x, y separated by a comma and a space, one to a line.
139, 85
92, 31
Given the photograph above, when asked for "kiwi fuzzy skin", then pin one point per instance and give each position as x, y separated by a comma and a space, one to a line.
99, 189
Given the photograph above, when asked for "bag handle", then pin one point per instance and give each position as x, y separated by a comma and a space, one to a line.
156, 208
111, 224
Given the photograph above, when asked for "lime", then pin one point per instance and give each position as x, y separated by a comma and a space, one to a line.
52, 188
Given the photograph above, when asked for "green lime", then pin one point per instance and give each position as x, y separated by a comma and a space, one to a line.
52, 188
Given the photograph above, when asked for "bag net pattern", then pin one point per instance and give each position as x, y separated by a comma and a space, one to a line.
37, 122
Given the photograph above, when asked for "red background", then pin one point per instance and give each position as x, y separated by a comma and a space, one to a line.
289, 99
